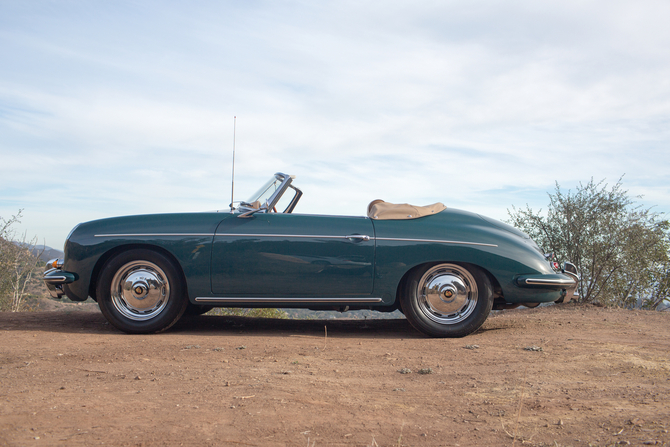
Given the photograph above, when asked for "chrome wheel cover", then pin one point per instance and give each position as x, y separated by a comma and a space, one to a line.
140, 290
447, 294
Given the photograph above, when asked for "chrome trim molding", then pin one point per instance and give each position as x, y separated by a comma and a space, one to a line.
575, 276
439, 241
55, 279
151, 234
547, 281
301, 236
201, 299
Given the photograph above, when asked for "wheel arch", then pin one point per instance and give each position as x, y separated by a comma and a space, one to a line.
109, 254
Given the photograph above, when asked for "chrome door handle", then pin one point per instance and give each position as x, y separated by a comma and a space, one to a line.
358, 237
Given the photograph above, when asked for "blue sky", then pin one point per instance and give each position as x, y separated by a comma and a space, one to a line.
126, 107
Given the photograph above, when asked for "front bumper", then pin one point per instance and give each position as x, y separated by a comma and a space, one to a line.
567, 280
54, 278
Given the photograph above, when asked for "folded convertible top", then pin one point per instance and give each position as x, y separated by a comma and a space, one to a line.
380, 210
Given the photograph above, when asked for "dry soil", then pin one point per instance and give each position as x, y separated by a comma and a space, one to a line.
570, 375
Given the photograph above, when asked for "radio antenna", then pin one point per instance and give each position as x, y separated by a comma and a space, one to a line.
232, 189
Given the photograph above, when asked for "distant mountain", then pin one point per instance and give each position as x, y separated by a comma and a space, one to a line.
44, 252
47, 253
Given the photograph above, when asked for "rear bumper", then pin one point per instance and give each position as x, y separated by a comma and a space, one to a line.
567, 281
54, 278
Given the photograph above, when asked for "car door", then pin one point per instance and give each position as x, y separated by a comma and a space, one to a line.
293, 255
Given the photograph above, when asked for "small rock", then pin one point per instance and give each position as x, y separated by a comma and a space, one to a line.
405, 371
471, 346
425, 371
398, 389
138, 378
533, 348
241, 347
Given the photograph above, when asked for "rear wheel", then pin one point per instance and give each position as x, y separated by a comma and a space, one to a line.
447, 300
140, 291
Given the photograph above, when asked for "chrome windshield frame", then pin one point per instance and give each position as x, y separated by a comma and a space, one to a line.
248, 209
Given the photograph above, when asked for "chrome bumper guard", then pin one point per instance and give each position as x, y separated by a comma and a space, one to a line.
568, 280
55, 278
571, 293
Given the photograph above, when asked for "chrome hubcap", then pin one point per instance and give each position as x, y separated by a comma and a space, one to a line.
140, 290
447, 294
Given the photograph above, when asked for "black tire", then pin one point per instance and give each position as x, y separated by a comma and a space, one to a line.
447, 300
153, 298
193, 310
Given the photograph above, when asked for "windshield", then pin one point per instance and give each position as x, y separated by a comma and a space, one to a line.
266, 191
272, 195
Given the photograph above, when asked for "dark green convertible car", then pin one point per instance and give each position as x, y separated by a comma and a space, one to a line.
445, 269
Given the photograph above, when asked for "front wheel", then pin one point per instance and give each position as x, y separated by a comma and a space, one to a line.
140, 291
447, 300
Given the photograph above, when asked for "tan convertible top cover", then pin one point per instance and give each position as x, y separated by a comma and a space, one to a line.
380, 210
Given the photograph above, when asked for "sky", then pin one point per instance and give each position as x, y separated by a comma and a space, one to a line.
127, 107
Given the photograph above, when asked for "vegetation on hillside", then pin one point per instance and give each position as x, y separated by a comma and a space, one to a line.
620, 248
18, 265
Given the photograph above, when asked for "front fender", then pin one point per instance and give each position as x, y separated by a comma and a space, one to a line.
185, 238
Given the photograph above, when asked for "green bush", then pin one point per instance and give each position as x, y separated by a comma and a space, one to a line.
619, 247
18, 264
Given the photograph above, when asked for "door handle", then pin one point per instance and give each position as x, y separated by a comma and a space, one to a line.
358, 237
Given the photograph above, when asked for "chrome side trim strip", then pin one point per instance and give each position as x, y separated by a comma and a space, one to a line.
54, 279
221, 234
557, 282
318, 236
439, 241
201, 299
299, 236
576, 277
151, 234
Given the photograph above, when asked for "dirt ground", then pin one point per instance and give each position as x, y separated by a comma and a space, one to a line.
570, 375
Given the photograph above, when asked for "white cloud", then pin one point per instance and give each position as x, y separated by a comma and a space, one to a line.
126, 107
